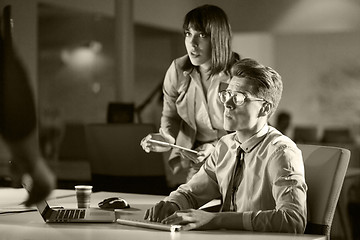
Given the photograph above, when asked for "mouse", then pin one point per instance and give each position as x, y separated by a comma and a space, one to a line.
113, 203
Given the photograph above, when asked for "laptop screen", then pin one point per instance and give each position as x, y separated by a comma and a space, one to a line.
42, 206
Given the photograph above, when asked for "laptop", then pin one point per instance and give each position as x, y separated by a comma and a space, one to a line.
73, 215
76, 215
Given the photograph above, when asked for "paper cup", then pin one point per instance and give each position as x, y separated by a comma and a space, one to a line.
83, 194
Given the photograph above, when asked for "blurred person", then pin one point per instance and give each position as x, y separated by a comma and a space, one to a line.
283, 121
192, 113
257, 171
18, 125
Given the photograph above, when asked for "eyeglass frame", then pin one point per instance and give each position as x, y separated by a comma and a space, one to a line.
232, 95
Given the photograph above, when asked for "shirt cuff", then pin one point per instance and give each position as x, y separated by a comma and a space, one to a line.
247, 221
179, 199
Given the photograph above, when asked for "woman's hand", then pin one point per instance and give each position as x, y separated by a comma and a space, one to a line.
204, 151
154, 147
193, 157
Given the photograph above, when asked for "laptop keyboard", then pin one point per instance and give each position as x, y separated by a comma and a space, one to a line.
70, 214
149, 224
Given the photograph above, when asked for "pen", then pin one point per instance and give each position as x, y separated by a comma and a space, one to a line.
172, 145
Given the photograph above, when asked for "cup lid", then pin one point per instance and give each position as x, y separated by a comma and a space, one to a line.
83, 187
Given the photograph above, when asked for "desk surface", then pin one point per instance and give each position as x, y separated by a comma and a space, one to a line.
29, 225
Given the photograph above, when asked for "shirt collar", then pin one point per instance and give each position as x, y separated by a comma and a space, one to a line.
192, 71
188, 72
253, 141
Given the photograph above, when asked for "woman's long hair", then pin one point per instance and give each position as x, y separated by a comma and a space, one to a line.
213, 21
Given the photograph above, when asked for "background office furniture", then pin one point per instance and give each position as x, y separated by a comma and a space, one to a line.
120, 112
73, 144
5, 156
337, 135
325, 169
30, 225
118, 163
349, 202
72, 166
306, 134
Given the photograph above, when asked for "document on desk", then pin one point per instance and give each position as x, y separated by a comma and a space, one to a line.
12, 199
172, 145
16, 209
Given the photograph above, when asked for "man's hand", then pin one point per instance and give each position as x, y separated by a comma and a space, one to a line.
192, 219
160, 211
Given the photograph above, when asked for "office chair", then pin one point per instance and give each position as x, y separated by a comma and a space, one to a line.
325, 169
73, 145
120, 112
118, 163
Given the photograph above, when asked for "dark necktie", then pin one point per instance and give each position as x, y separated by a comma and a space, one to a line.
229, 202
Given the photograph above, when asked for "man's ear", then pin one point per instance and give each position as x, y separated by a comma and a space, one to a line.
265, 109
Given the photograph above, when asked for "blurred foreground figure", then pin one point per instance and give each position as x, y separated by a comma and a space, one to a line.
18, 125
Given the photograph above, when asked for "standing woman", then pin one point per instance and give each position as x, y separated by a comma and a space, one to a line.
192, 115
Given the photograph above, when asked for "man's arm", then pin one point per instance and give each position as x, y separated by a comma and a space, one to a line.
289, 192
201, 189
286, 173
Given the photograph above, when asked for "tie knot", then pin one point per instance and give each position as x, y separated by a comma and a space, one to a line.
240, 153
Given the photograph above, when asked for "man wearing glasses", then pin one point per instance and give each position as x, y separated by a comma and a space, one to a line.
256, 171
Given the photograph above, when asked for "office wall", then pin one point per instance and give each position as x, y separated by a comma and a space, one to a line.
303, 53
321, 74
155, 49
320, 71
76, 77
256, 45
79, 89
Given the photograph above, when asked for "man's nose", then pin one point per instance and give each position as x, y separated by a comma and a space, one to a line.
229, 103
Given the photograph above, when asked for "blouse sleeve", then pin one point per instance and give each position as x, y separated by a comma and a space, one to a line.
170, 120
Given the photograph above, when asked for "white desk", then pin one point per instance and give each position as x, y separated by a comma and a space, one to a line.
29, 225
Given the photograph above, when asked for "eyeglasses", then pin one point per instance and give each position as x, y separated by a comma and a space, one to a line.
237, 97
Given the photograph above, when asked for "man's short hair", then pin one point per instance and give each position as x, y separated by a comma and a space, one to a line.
267, 82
